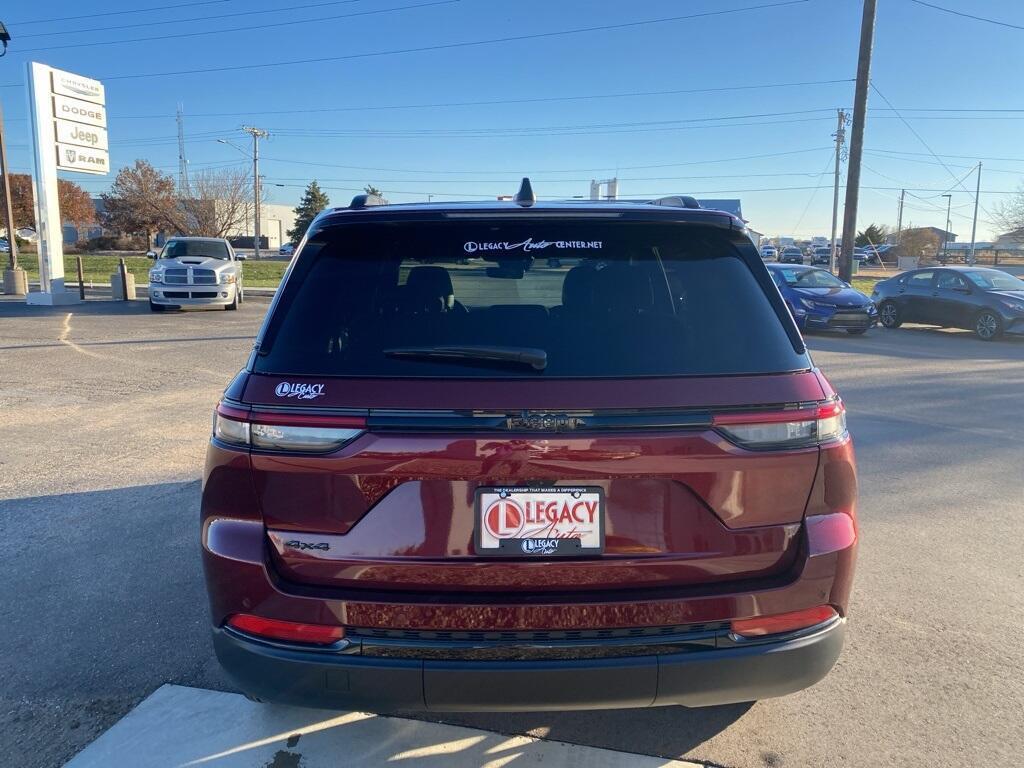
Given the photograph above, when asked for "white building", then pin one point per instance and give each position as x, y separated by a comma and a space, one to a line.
275, 221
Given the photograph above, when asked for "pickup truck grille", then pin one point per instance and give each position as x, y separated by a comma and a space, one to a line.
180, 276
176, 276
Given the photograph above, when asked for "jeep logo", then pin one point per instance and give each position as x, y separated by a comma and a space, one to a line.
548, 422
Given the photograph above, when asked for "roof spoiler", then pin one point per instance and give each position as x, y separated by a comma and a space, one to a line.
676, 201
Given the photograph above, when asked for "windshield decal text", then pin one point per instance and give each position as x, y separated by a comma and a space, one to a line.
529, 245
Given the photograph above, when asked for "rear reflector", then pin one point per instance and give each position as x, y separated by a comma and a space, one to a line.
782, 622
288, 631
273, 432
794, 428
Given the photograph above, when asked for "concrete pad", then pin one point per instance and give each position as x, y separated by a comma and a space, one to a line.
193, 728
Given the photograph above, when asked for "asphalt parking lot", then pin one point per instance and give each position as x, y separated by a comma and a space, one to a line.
106, 412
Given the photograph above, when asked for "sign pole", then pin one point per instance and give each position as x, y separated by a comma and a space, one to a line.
44, 193
15, 281
67, 122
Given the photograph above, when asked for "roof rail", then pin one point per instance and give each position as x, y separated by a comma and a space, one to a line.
676, 201
367, 201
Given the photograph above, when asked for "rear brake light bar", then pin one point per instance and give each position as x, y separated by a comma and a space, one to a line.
796, 428
284, 432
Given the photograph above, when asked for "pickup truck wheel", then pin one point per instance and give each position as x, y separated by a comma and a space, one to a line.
234, 302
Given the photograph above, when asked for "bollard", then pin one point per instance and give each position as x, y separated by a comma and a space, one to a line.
81, 279
123, 270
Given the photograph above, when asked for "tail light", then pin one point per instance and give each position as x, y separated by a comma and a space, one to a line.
282, 432
795, 428
287, 631
760, 626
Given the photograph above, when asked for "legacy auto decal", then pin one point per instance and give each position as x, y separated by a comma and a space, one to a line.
529, 245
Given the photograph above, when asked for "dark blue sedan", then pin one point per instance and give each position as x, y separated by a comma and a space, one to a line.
821, 301
989, 302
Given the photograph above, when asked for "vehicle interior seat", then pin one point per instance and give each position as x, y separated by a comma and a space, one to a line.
429, 290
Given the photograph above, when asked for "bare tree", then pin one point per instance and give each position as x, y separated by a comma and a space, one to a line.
921, 243
1008, 215
220, 203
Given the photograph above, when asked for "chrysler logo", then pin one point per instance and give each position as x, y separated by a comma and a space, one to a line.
548, 422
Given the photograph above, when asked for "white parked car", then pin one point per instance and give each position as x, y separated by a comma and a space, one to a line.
195, 272
769, 253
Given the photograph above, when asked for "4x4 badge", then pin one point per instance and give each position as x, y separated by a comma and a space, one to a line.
323, 546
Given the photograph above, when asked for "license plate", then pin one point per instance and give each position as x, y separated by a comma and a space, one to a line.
539, 522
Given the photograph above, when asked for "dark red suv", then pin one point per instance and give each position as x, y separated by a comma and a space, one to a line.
520, 455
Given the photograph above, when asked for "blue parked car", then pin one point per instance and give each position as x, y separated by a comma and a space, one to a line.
821, 301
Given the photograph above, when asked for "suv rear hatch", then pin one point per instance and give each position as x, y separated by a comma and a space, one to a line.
410, 367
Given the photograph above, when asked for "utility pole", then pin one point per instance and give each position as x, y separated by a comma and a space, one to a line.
945, 231
840, 138
860, 105
257, 134
183, 186
974, 224
899, 216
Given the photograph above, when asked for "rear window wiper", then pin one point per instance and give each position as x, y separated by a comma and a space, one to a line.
535, 358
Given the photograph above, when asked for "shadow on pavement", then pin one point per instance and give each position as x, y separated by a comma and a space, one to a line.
669, 732
103, 602
14, 306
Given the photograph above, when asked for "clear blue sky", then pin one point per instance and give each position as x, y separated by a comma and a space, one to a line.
924, 59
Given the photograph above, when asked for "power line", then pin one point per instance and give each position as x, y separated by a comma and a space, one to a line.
561, 170
494, 102
465, 44
120, 13
968, 15
541, 180
512, 129
958, 157
236, 29
814, 193
368, 133
916, 134
185, 21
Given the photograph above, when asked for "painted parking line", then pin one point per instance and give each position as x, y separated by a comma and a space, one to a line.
194, 728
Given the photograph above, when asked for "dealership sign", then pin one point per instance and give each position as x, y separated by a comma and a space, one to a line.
68, 117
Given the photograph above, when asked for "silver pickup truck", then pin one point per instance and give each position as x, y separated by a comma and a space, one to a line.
195, 272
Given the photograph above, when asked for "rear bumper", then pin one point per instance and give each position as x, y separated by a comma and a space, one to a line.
698, 678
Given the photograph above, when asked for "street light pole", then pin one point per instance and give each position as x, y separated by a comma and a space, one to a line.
945, 232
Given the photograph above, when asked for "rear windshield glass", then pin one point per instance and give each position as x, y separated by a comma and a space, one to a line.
563, 299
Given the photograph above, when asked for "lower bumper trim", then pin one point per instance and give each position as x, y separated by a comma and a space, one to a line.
698, 678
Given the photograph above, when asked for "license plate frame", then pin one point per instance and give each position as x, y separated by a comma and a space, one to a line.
554, 541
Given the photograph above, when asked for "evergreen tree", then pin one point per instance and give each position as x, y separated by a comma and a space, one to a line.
313, 201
